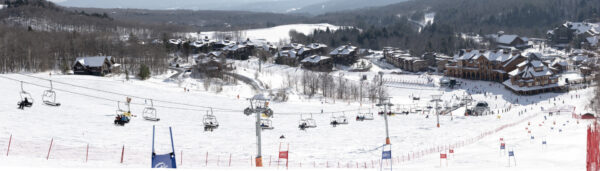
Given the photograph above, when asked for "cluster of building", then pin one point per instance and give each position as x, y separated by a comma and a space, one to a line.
524, 72
514, 63
584, 35
405, 61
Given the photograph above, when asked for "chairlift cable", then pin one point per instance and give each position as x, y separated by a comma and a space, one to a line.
222, 110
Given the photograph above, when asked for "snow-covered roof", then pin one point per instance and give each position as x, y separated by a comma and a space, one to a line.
592, 40
506, 39
559, 61
202, 42
316, 45
343, 50
579, 58
314, 59
215, 53
225, 42
583, 27
498, 56
175, 41
288, 53
234, 47
93, 61
295, 46
527, 69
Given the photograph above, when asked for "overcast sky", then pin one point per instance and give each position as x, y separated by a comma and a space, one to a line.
176, 4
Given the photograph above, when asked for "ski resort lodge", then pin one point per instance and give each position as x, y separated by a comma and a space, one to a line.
489, 65
94, 65
533, 77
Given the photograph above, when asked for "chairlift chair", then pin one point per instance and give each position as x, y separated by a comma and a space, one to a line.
122, 117
266, 124
365, 116
26, 99
307, 123
49, 96
339, 120
150, 113
210, 121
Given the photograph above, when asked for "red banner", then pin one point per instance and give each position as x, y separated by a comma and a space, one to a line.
283, 155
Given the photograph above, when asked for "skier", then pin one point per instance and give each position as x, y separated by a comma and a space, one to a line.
23, 103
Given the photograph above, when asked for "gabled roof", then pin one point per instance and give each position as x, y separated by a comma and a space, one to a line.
93, 61
314, 59
343, 50
234, 47
506, 39
288, 53
295, 46
495, 56
527, 69
215, 53
558, 61
316, 45
583, 27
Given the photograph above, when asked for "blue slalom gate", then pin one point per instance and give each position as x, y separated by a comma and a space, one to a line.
163, 160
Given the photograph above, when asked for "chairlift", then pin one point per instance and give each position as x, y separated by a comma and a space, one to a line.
26, 99
49, 97
210, 121
266, 124
149, 112
364, 116
123, 116
259, 103
307, 123
339, 120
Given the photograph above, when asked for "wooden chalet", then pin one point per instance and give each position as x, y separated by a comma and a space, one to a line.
94, 65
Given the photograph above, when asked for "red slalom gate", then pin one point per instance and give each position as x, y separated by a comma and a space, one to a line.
9, 141
593, 151
122, 153
285, 155
49, 148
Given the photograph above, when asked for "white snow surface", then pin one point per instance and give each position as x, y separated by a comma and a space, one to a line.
272, 34
83, 120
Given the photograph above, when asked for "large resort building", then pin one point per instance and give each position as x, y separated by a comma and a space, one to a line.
489, 65
532, 77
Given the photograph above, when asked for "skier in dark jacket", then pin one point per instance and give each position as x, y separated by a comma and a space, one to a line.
23, 103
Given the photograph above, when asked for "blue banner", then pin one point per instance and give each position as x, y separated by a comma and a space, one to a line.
163, 161
386, 155
511, 153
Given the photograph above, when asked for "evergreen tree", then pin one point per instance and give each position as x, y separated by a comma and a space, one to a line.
144, 72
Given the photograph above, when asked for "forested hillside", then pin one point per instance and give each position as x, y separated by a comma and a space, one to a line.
36, 35
389, 26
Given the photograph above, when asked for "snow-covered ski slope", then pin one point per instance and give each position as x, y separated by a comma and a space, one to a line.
88, 108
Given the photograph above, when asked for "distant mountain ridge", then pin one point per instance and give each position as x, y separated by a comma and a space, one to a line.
311, 7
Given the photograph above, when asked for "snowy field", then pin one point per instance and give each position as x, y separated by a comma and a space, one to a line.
89, 104
272, 34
